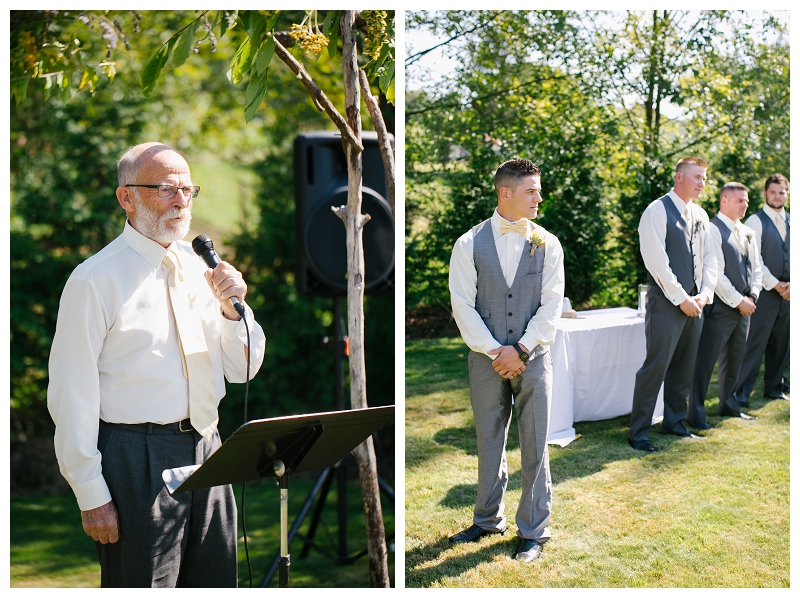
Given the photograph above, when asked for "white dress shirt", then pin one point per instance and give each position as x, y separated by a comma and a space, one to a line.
541, 329
116, 354
652, 241
768, 280
725, 290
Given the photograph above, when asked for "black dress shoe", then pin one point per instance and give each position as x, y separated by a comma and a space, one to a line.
776, 395
703, 426
528, 550
473, 534
747, 416
643, 445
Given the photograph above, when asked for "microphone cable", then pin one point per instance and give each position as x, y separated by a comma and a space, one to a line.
244, 484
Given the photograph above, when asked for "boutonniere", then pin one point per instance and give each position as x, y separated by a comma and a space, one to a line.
699, 227
749, 237
535, 240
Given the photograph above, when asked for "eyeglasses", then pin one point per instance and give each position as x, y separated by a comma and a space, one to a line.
169, 191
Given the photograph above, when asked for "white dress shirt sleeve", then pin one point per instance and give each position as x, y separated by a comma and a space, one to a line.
653, 246
541, 329
463, 291
768, 281
73, 394
758, 274
710, 270
234, 343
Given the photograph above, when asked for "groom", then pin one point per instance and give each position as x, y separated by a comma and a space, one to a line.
507, 288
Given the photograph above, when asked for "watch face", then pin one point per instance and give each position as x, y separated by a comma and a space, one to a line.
524, 356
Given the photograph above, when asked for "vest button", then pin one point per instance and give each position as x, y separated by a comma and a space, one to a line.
510, 331
510, 314
509, 295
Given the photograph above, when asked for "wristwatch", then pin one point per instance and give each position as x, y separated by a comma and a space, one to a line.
523, 356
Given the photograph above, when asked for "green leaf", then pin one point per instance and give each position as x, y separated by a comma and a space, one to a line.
240, 63
19, 89
184, 47
256, 90
151, 69
222, 16
272, 20
264, 54
332, 33
386, 81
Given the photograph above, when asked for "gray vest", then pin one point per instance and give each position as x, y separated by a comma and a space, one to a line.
738, 268
680, 245
507, 311
774, 250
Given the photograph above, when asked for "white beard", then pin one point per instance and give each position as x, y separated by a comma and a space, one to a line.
163, 228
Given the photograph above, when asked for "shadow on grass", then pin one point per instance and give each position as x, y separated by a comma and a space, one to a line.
455, 565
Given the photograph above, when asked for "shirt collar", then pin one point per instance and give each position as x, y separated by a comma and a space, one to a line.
497, 218
773, 214
152, 252
728, 222
679, 203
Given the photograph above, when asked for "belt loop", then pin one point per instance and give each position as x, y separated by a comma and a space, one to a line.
149, 427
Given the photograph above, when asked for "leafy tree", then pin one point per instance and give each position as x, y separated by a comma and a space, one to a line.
607, 76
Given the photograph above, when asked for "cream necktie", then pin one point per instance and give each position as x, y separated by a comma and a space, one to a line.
520, 227
196, 360
781, 226
740, 237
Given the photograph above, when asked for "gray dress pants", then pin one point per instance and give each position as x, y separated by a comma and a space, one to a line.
724, 336
767, 339
671, 339
491, 397
183, 540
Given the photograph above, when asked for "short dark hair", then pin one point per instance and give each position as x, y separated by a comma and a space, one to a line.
776, 178
732, 186
512, 171
690, 160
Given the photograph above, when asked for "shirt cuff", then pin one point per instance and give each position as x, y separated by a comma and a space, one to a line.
529, 341
235, 329
92, 494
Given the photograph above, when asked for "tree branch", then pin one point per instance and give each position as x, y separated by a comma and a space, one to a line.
387, 154
319, 97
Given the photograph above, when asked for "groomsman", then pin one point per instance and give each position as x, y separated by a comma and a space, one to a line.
769, 325
726, 319
682, 274
507, 288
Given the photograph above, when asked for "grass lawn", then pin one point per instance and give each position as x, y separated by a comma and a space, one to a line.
49, 548
700, 513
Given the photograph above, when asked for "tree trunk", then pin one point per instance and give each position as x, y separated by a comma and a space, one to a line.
354, 222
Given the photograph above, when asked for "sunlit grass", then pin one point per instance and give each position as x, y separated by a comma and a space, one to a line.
699, 513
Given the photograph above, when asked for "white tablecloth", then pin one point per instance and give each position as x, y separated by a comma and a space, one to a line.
595, 360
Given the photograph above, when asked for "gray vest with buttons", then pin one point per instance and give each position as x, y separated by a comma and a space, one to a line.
680, 247
507, 311
738, 268
774, 250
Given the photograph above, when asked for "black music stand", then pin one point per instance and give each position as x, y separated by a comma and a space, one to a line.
278, 448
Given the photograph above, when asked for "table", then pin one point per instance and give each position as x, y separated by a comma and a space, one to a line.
595, 360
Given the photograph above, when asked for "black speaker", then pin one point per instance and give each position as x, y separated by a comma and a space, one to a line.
320, 179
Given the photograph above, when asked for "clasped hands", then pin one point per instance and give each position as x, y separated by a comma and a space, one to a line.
783, 289
507, 363
693, 306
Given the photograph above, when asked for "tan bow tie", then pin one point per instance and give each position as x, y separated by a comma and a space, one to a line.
520, 227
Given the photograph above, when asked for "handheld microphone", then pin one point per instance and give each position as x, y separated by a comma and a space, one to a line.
204, 247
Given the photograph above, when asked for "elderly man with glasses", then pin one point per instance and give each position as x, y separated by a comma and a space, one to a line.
145, 338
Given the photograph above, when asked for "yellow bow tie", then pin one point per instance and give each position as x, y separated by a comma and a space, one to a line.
520, 227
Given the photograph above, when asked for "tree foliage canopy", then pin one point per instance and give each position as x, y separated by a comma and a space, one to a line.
64, 148
584, 95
